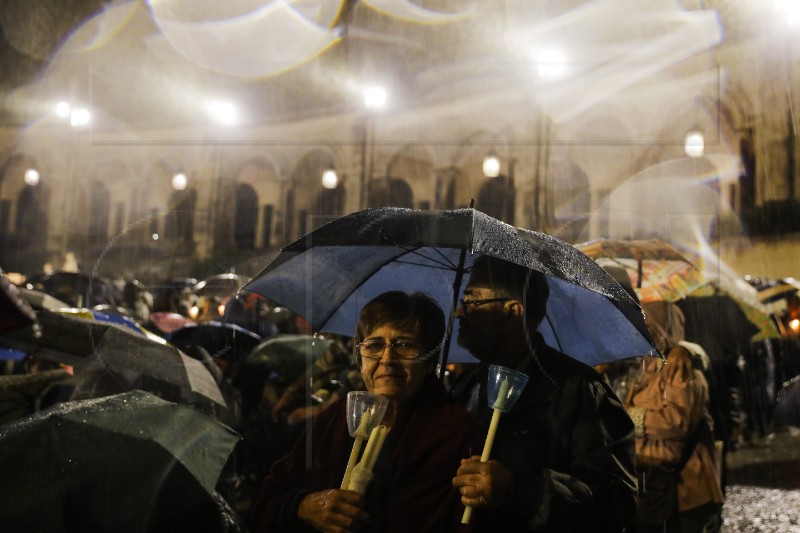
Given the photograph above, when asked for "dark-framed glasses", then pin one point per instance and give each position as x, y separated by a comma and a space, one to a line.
467, 304
402, 348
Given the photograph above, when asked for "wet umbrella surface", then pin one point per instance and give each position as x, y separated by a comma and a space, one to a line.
327, 276
655, 268
121, 463
223, 341
139, 361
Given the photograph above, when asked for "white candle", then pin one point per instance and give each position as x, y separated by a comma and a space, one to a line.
373, 459
371, 444
361, 434
497, 406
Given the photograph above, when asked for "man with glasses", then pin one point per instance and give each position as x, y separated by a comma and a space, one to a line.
563, 457
397, 343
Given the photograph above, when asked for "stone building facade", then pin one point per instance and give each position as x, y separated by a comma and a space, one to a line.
596, 152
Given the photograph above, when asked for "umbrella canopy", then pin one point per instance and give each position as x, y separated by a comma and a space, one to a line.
41, 300
718, 324
140, 361
221, 340
121, 463
14, 310
787, 404
220, 285
167, 322
656, 269
750, 312
77, 289
21, 394
287, 355
327, 276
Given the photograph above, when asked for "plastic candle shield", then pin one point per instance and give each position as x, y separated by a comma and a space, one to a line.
504, 387
364, 412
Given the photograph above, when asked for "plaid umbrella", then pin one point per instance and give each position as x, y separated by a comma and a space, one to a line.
656, 269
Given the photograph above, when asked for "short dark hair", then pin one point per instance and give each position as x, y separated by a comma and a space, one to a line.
417, 311
516, 281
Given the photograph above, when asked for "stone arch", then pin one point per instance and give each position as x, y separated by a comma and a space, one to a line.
245, 217
570, 200
467, 180
314, 205
390, 192
263, 176
413, 165
179, 226
31, 222
12, 185
87, 224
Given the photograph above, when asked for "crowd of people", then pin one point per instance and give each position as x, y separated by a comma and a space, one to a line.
629, 446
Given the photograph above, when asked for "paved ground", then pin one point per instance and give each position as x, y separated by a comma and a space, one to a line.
763, 493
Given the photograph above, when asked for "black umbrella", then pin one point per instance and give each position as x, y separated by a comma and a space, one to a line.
220, 285
718, 324
77, 289
287, 355
41, 300
138, 360
222, 341
787, 405
122, 463
328, 275
14, 310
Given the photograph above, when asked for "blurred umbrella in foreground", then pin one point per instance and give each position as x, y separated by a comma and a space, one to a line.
14, 310
220, 285
287, 355
657, 270
787, 405
129, 462
222, 341
21, 394
77, 289
118, 350
747, 319
41, 300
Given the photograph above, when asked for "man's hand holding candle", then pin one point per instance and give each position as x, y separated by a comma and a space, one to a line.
483, 484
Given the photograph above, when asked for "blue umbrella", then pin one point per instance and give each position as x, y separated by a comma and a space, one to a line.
328, 275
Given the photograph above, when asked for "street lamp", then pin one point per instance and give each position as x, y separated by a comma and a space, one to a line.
329, 178
179, 182
694, 145
375, 98
552, 63
31, 177
224, 112
491, 165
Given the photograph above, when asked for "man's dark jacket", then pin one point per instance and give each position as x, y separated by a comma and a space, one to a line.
568, 442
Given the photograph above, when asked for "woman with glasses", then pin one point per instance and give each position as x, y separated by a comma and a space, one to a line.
397, 342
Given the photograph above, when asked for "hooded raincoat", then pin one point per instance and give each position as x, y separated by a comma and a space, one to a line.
670, 410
